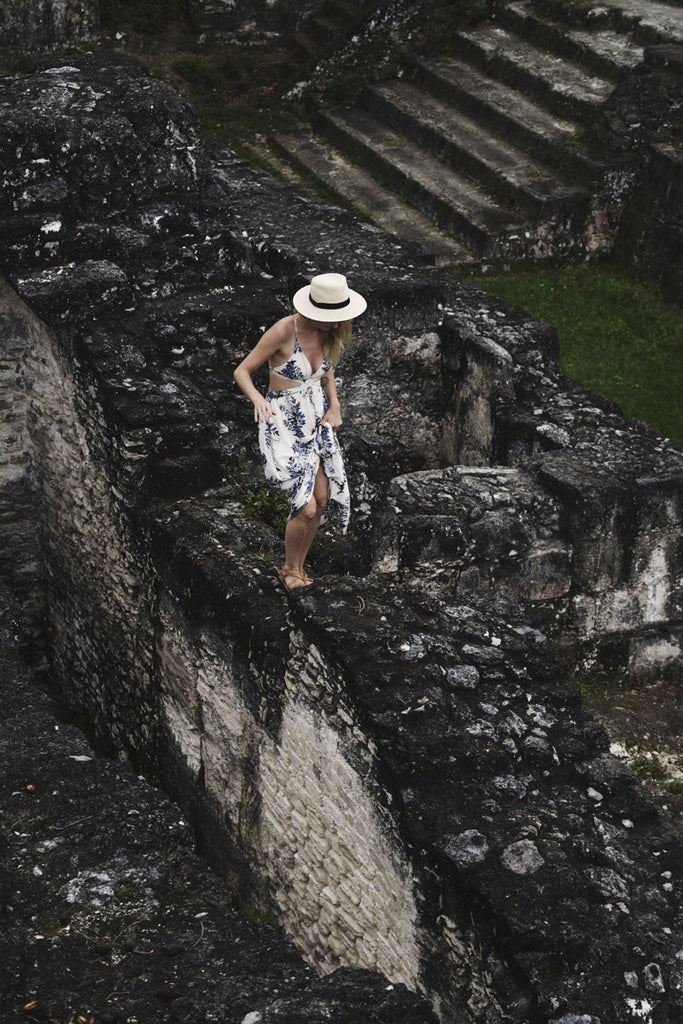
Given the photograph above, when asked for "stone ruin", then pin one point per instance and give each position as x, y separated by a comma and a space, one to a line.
259, 21
396, 760
522, 128
30, 25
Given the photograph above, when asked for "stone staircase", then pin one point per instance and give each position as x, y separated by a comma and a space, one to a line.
487, 153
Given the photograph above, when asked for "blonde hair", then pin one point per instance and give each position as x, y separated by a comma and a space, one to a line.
333, 341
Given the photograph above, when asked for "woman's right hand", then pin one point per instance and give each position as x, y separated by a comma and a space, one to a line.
263, 410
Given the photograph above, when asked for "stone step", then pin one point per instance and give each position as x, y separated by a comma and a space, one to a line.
465, 145
325, 26
556, 140
379, 206
305, 45
324, 30
450, 199
604, 51
548, 79
649, 21
344, 11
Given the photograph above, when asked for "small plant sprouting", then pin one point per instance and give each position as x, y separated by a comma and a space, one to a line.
475, 12
263, 917
268, 504
647, 766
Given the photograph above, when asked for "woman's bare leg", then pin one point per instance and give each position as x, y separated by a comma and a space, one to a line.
301, 530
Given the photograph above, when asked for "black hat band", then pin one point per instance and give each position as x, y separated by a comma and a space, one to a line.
329, 305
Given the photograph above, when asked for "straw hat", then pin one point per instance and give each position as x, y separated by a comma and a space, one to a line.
328, 298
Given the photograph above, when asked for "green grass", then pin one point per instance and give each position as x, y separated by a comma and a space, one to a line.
235, 105
618, 335
238, 124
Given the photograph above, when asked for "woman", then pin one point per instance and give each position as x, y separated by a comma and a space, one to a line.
299, 416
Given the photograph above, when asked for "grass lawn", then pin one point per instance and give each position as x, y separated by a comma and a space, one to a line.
618, 335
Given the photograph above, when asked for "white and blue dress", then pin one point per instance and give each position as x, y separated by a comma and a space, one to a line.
295, 441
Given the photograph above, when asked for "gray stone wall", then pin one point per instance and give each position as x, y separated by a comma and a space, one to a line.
35, 24
642, 118
304, 803
94, 569
20, 548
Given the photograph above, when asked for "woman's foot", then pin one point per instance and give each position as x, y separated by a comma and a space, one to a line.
292, 579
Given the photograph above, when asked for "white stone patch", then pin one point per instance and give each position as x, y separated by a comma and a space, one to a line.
51, 227
184, 732
92, 887
49, 844
423, 351
617, 610
522, 858
640, 1009
228, 741
97, 888
647, 654
655, 585
468, 848
584, 611
557, 435
342, 886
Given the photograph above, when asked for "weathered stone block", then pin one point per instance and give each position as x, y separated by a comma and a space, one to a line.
30, 24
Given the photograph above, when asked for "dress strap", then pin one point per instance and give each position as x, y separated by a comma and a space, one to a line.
296, 335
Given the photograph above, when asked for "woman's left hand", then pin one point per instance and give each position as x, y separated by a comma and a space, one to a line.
333, 418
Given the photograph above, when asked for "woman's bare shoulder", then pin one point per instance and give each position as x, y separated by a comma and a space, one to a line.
279, 337
283, 328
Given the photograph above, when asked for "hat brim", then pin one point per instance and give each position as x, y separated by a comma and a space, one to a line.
302, 304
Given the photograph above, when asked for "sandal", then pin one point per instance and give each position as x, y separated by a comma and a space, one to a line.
293, 580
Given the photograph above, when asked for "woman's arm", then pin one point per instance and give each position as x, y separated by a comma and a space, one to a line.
333, 415
269, 343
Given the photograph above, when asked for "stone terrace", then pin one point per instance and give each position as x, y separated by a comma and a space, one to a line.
394, 759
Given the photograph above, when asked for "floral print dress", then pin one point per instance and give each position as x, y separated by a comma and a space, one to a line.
295, 441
